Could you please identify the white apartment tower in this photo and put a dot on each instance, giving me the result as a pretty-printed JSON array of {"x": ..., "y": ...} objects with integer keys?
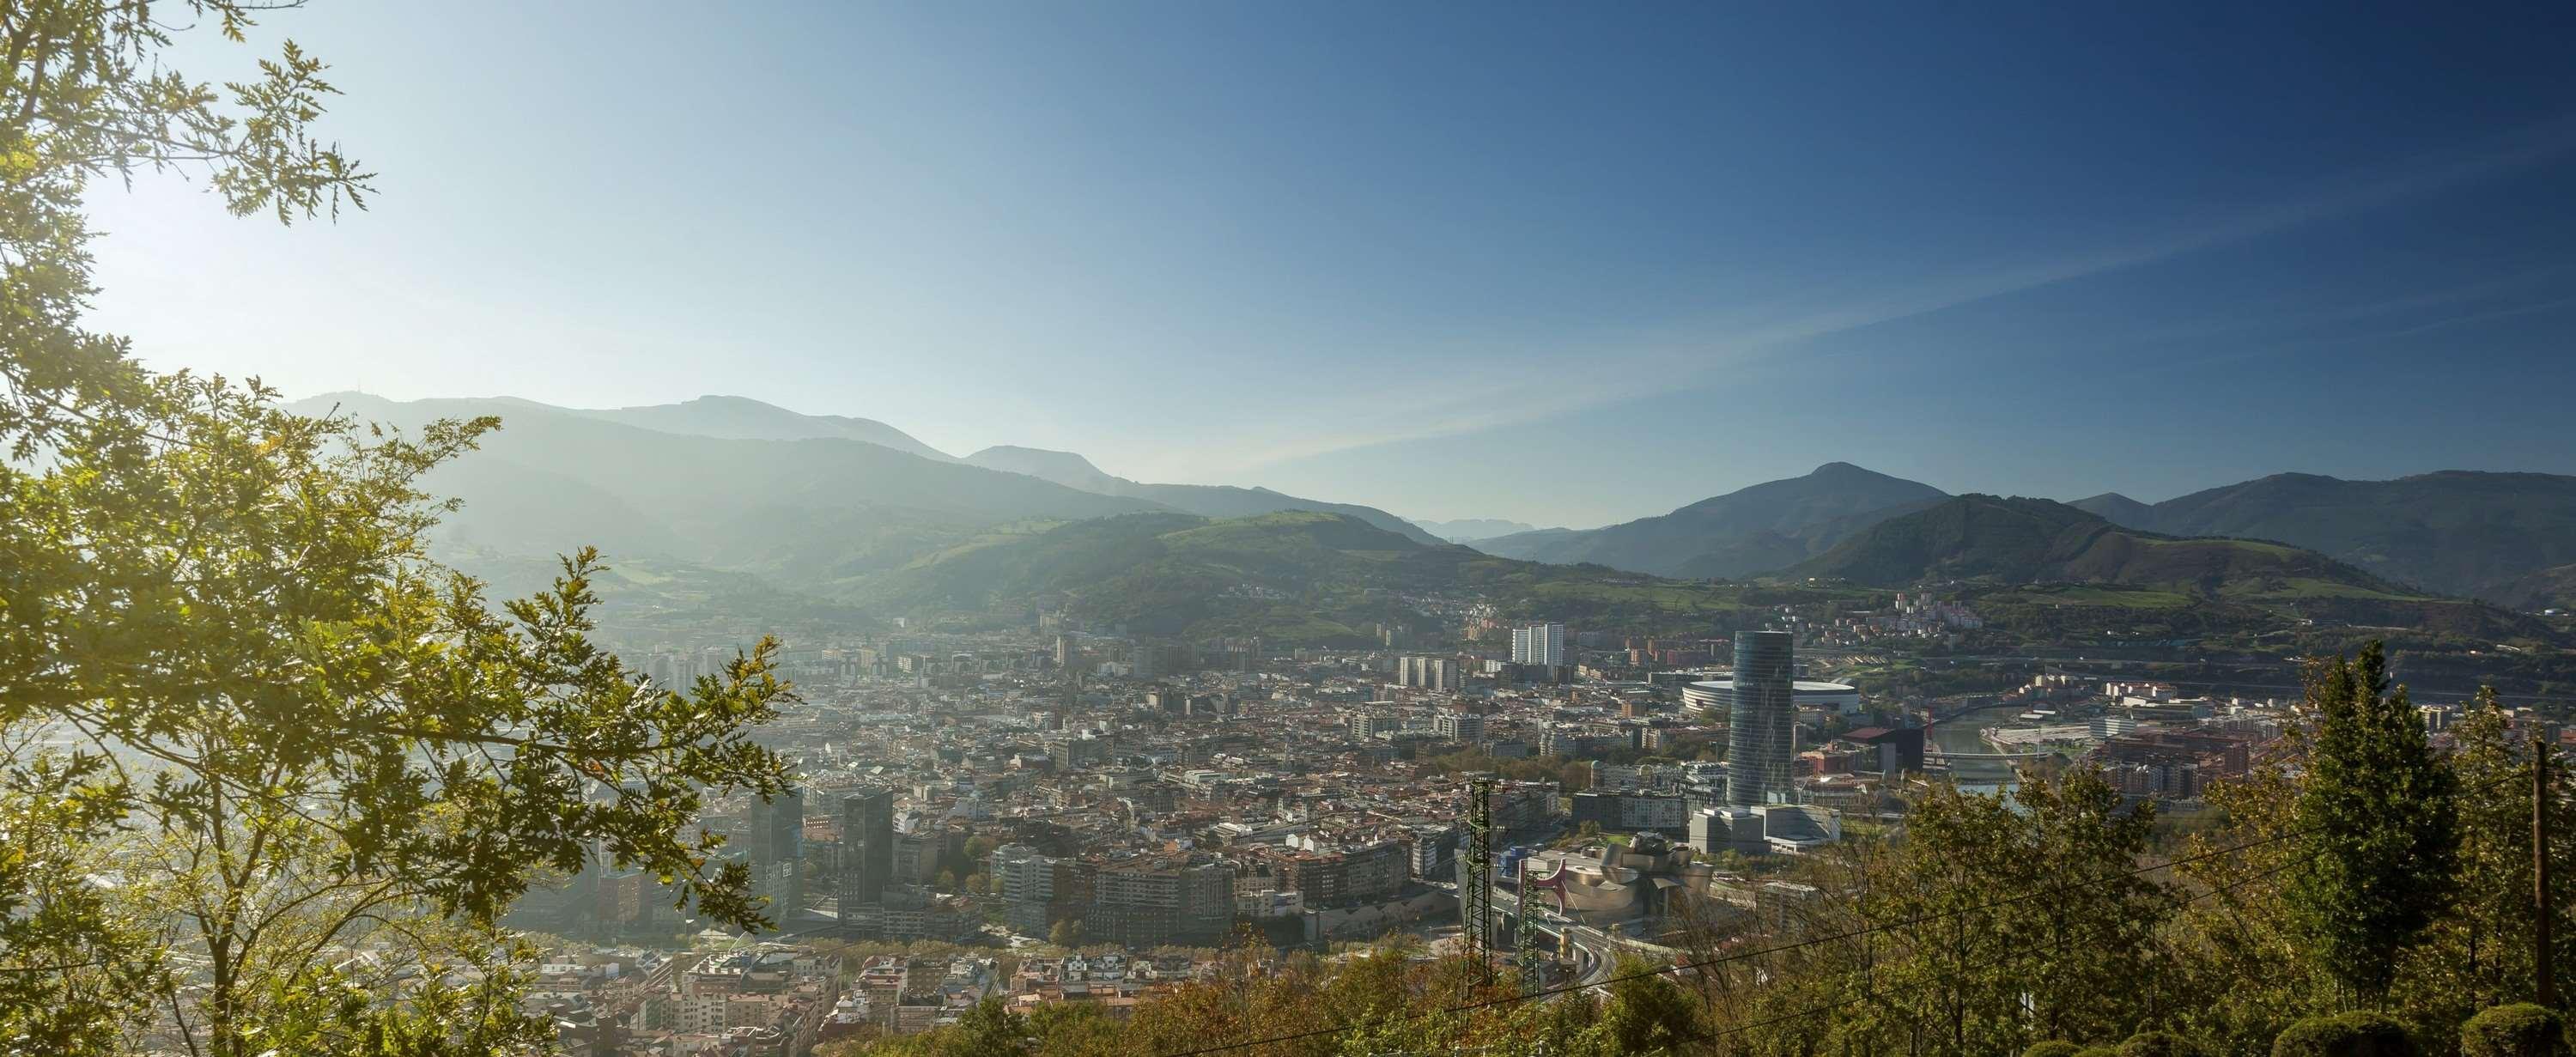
[{"x": 1539, "y": 644}]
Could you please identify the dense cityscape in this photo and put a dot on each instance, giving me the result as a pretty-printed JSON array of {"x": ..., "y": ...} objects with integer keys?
[{"x": 1064, "y": 814}]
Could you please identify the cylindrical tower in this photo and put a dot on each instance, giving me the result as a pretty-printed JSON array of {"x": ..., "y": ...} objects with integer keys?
[{"x": 1762, "y": 724}]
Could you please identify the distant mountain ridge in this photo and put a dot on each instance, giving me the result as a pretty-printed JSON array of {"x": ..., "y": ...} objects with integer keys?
[
  {"x": 1469, "y": 530},
  {"x": 1753, "y": 530},
  {"x": 743, "y": 418},
  {"x": 811, "y": 511},
  {"x": 2459, "y": 532},
  {"x": 828, "y": 504},
  {"x": 1217, "y": 501},
  {"x": 817, "y": 501},
  {"x": 1062, "y": 467},
  {"x": 2119, "y": 509},
  {"x": 2017, "y": 540},
  {"x": 2036, "y": 556}
]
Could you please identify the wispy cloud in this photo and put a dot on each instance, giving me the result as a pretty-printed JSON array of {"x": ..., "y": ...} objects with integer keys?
[
  {"x": 1530, "y": 384},
  {"x": 2486, "y": 316}
]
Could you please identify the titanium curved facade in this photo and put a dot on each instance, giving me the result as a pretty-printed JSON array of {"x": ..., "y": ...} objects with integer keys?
[{"x": 1761, "y": 731}]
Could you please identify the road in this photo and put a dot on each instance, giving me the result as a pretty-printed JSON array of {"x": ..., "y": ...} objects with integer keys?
[{"x": 1596, "y": 953}]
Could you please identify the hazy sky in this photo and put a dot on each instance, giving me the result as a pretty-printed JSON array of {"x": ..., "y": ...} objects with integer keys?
[{"x": 1452, "y": 260}]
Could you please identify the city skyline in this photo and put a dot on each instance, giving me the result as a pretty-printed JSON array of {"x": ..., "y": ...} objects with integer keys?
[
  {"x": 1410, "y": 261},
  {"x": 897, "y": 530}
]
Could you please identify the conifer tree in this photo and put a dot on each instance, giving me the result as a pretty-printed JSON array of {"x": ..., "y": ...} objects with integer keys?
[{"x": 2380, "y": 827}]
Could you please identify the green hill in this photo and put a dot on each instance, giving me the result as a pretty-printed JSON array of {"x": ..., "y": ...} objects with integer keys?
[
  {"x": 1166, "y": 573},
  {"x": 1298, "y": 576},
  {"x": 2035, "y": 555},
  {"x": 2455, "y": 532},
  {"x": 2546, "y": 589},
  {"x": 2020, "y": 541},
  {"x": 1759, "y": 529},
  {"x": 649, "y": 600}
]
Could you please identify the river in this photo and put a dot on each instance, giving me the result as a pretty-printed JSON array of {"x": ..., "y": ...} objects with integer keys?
[{"x": 1966, "y": 733}]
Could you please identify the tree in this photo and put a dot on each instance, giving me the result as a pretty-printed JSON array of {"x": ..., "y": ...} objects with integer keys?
[
  {"x": 2157, "y": 1044},
  {"x": 2353, "y": 1034},
  {"x": 335, "y": 741},
  {"x": 1647, "y": 1012},
  {"x": 1066, "y": 934},
  {"x": 1574, "y": 776},
  {"x": 2519, "y": 1030},
  {"x": 323, "y": 742},
  {"x": 76, "y": 971},
  {"x": 2480, "y": 951},
  {"x": 989, "y": 1029},
  {"x": 2380, "y": 824},
  {"x": 1997, "y": 923},
  {"x": 84, "y": 94}
]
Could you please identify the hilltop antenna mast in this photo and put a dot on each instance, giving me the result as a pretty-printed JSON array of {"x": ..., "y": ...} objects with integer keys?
[{"x": 1476, "y": 892}]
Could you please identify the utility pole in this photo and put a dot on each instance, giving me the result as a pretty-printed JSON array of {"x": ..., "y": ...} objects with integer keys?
[{"x": 2540, "y": 867}]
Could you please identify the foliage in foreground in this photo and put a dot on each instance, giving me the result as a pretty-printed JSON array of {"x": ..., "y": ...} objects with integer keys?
[
  {"x": 263, "y": 765},
  {"x": 2518, "y": 1030},
  {"x": 1389, "y": 1002}
]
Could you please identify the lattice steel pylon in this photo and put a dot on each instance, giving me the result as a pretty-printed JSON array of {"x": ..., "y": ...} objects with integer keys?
[
  {"x": 1476, "y": 879},
  {"x": 1525, "y": 935}
]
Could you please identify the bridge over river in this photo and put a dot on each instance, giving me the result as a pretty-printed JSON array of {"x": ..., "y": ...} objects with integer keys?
[
  {"x": 1945, "y": 756},
  {"x": 1956, "y": 736}
]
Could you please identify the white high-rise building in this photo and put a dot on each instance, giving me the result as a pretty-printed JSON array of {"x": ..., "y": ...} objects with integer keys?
[{"x": 1539, "y": 644}]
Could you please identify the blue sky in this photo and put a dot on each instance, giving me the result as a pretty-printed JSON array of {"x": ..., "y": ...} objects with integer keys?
[{"x": 1564, "y": 266}]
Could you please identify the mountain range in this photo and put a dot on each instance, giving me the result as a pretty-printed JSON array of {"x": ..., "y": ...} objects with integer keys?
[
  {"x": 742, "y": 418},
  {"x": 837, "y": 506},
  {"x": 1294, "y": 576},
  {"x": 1217, "y": 501},
  {"x": 2484, "y": 535},
  {"x": 2508, "y": 538},
  {"x": 811, "y": 500},
  {"x": 2023, "y": 541},
  {"x": 1469, "y": 530},
  {"x": 2062, "y": 555},
  {"x": 1759, "y": 529}
]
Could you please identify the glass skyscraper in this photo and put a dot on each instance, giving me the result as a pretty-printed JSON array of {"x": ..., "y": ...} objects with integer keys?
[
  {"x": 1762, "y": 724},
  {"x": 867, "y": 842}
]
